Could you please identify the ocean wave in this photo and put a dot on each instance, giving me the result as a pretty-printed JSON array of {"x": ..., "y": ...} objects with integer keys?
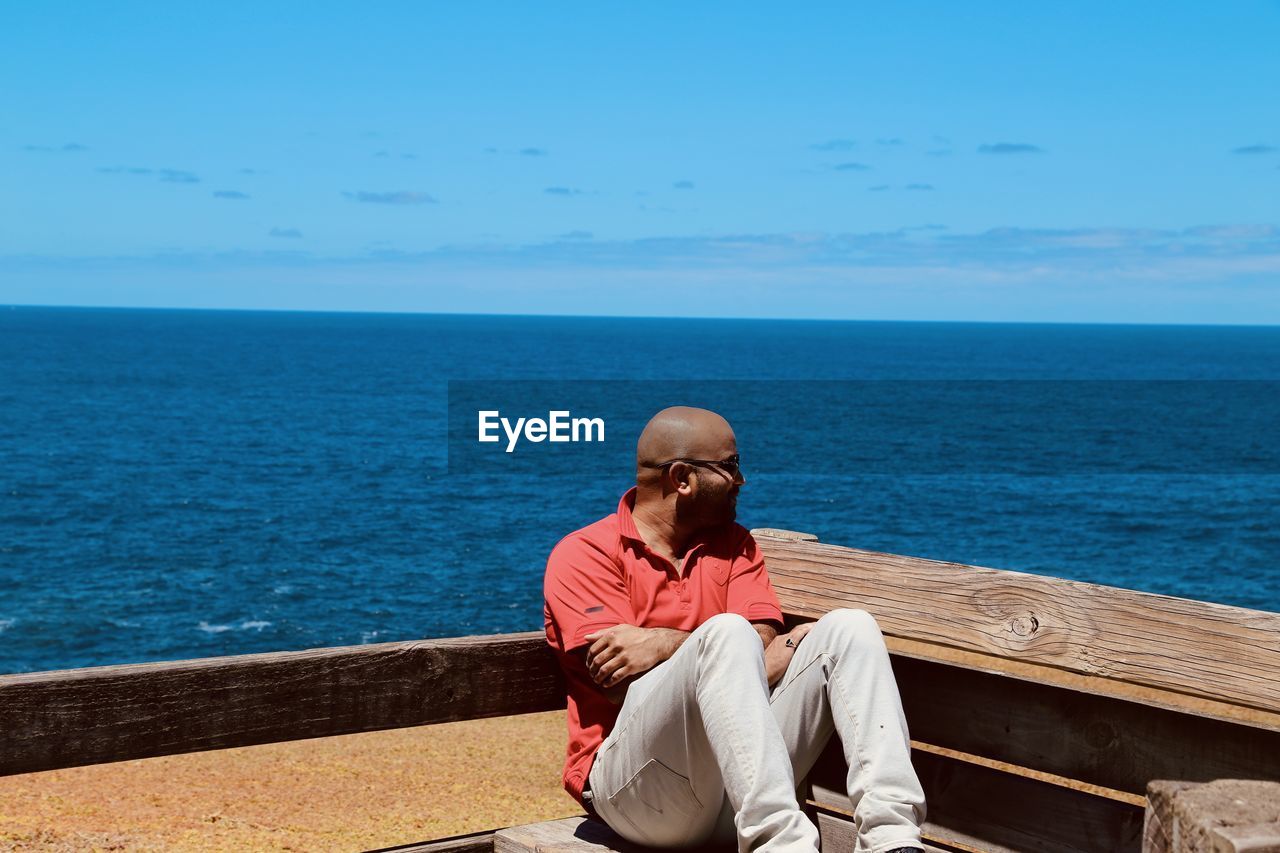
[{"x": 245, "y": 625}]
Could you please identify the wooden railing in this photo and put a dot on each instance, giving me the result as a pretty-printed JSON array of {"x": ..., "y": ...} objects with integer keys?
[
  {"x": 1040, "y": 708},
  {"x": 74, "y": 717},
  {"x": 1225, "y": 654}
]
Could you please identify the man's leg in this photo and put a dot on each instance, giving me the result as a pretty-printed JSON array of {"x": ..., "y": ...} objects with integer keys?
[
  {"x": 693, "y": 729},
  {"x": 840, "y": 680}
]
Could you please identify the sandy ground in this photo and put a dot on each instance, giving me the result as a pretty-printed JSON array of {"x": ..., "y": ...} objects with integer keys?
[{"x": 358, "y": 792}]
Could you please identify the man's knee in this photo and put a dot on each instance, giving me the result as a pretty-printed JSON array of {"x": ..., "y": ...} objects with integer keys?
[
  {"x": 729, "y": 630},
  {"x": 858, "y": 626},
  {"x": 727, "y": 624}
]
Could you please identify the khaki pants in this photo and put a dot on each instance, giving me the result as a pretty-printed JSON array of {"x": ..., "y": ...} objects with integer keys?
[{"x": 703, "y": 752}]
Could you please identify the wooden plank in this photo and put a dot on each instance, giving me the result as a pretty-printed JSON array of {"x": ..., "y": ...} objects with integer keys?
[
  {"x": 837, "y": 833},
  {"x": 581, "y": 835},
  {"x": 569, "y": 835},
  {"x": 1198, "y": 706},
  {"x": 113, "y": 713},
  {"x": 1193, "y": 647},
  {"x": 474, "y": 842},
  {"x": 778, "y": 533},
  {"x": 1099, "y": 740},
  {"x": 979, "y": 807}
]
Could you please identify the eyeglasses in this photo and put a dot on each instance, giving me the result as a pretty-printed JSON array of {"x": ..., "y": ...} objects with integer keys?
[{"x": 731, "y": 466}]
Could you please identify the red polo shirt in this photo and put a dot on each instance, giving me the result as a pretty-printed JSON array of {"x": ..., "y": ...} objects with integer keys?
[{"x": 604, "y": 575}]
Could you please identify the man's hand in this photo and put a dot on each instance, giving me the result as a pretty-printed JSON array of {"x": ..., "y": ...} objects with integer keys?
[
  {"x": 777, "y": 657},
  {"x": 622, "y": 651}
]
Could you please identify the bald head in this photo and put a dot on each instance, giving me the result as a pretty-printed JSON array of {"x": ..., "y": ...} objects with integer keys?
[
  {"x": 682, "y": 499},
  {"x": 683, "y": 432}
]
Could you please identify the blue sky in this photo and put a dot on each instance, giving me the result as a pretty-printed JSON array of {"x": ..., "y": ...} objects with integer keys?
[{"x": 1079, "y": 162}]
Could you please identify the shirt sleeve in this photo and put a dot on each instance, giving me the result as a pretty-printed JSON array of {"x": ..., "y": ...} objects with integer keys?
[
  {"x": 584, "y": 591},
  {"x": 750, "y": 592}
]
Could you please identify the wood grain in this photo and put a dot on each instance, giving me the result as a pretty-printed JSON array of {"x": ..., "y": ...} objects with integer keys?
[
  {"x": 978, "y": 807},
  {"x": 113, "y": 713},
  {"x": 838, "y": 833},
  {"x": 1192, "y": 647},
  {"x": 475, "y": 842},
  {"x": 1098, "y": 740},
  {"x": 570, "y": 835}
]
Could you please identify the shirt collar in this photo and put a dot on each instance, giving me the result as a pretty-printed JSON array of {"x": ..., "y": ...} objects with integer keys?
[{"x": 626, "y": 524}]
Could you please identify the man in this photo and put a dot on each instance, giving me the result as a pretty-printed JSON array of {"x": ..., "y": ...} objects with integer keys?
[{"x": 690, "y": 718}]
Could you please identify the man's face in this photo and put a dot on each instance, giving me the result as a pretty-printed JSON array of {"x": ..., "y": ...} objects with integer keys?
[{"x": 716, "y": 500}]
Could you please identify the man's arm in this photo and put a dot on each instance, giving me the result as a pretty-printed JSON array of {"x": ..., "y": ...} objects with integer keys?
[
  {"x": 584, "y": 593},
  {"x": 777, "y": 654},
  {"x": 751, "y": 594},
  {"x": 623, "y": 652},
  {"x": 619, "y": 654},
  {"x": 767, "y": 632},
  {"x": 779, "y": 651}
]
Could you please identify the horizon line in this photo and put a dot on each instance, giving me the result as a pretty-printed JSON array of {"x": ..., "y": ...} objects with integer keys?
[{"x": 739, "y": 318}]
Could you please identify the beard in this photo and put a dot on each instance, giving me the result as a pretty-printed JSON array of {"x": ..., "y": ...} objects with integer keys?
[{"x": 714, "y": 507}]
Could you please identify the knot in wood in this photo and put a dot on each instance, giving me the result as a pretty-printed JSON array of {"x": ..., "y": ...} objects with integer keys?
[
  {"x": 1100, "y": 734},
  {"x": 1023, "y": 625}
]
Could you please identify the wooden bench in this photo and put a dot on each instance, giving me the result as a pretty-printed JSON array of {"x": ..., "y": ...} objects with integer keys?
[{"x": 1040, "y": 709}]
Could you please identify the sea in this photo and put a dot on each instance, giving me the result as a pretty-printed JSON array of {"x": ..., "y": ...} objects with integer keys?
[{"x": 186, "y": 483}]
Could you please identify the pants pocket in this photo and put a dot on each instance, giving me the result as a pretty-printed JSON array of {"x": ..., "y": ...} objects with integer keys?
[{"x": 658, "y": 802}]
